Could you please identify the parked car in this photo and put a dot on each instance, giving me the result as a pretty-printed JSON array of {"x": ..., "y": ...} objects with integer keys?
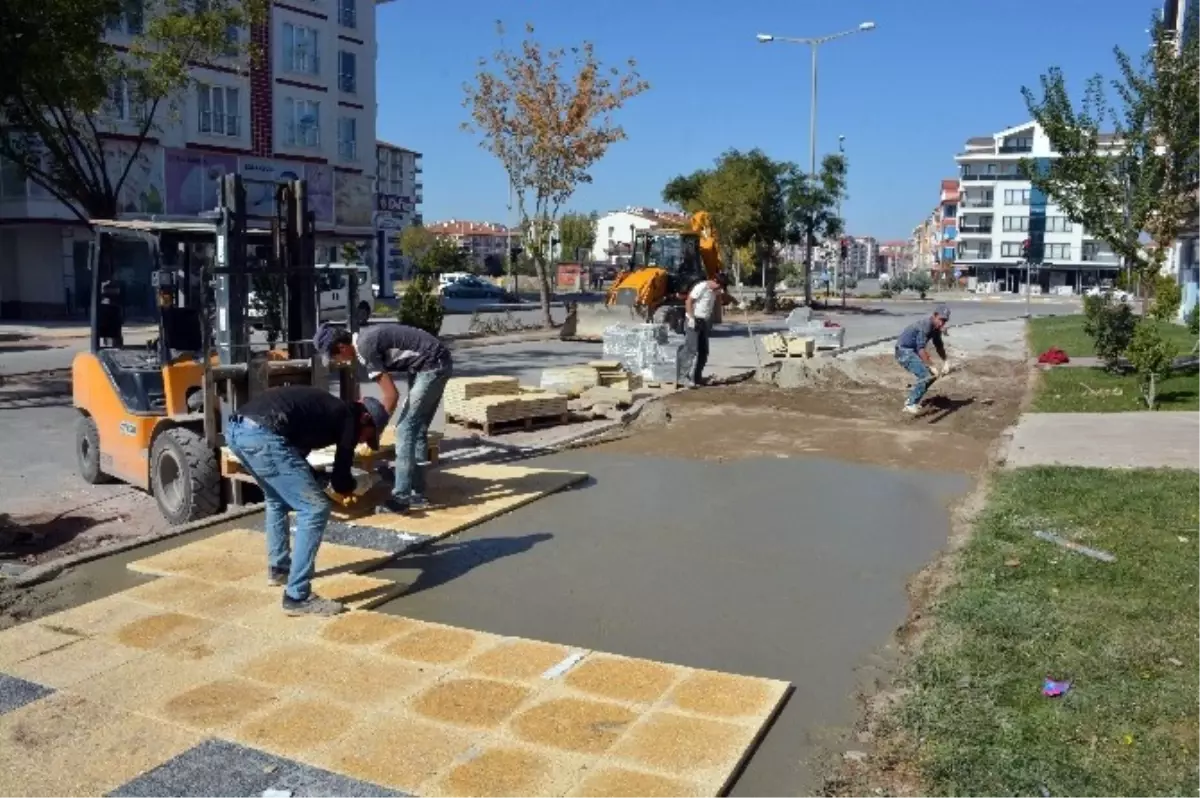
[
  {"x": 472, "y": 287},
  {"x": 332, "y": 285},
  {"x": 1116, "y": 293}
]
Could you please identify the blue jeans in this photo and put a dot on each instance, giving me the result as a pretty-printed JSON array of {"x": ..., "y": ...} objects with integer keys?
[
  {"x": 425, "y": 390},
  {"x": 912, "y": 361},
  {"x": 287, "y": 483}
]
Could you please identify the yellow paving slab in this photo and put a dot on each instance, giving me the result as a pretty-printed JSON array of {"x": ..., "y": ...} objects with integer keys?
[
  {"x": 331, "y": 557},
  {"x": 424, "y": 708},
  {"x": 463, "y": 497}
]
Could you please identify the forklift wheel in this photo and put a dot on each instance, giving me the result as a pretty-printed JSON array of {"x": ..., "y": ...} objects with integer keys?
[
  {"x": 87, "y": 449},
  {"x": 184, "y": 476}
]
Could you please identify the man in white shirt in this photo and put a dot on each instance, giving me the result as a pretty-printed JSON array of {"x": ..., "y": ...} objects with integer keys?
[{"x": 699, "y": 309}]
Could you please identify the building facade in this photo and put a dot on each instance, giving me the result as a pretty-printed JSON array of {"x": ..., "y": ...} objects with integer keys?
[
  {"x": 893, "y": 258},
  {"x": 862, "y": 255},
  {"x": 306, "y": 110},
  {"x": 615, "y": 231},
  {"x": 486, "y": 243},
  {"x": 398, "y": 197},
  {"x": 998, "y": 208},
  {"x": 948, "y": 238}
]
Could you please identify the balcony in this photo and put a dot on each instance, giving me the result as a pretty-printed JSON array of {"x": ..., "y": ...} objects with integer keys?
[
  {"x": 1101, "y": 258},
  {"x": 983, "y": 253},
  {"x": 978, "y": 178},
  {"x": 976, "y": 203},
  {"x": 974, "y": 228},
  {"x": 1015, "y": 148}
]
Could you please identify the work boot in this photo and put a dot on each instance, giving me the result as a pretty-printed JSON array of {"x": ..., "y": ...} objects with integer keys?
[
  {"x": 277, "y": 577},
  {"x": 313, "y": 605},
  {"x": 392, "y": 505},
  {"x": 418, "y": 502}
]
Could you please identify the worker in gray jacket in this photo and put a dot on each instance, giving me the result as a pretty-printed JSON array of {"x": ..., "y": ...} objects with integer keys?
[{"x": 911, "y": 352}]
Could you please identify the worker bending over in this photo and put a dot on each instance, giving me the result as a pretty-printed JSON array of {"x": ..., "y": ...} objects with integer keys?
[
  {"x": 425, "y": 363},
  {"x": 911, "y": 353},
  {"x": 698, "y": 307},
  {"x": 272, "y": 435}
]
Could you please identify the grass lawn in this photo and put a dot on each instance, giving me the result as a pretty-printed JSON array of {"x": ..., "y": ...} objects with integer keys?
[
  {"x": 1065, "y": 389},
  {"x": 1066, "y": 332},
  {"x": 1023, "y": 609}
]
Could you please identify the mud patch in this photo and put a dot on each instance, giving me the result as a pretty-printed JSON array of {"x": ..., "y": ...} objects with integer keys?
[{"x": 846, "y": 408}]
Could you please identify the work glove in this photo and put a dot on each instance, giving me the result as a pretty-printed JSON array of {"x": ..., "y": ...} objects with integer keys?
[{"x": 691, "y": 323}]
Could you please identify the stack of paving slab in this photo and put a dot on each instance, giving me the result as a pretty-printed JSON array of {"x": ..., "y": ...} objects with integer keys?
[
  {"x": 800, "y": 324},
  {"x": 780, "y": 345},
  {"x": 499, "y": 400},
  {"x": 644, "y": 349},
  {"x": 612, "y": 374}
]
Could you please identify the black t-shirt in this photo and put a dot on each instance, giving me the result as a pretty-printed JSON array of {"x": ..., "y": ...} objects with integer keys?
[
  {"x": 309, "y": 418},
  {"x": 399, "y": 349}
]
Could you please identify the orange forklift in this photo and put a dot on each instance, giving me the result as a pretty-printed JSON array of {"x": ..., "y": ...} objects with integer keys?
[{"x": 153, "y": 415}]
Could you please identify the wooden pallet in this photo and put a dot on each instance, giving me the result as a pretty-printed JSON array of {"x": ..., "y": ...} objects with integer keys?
[{"x": 512, "y": 425}]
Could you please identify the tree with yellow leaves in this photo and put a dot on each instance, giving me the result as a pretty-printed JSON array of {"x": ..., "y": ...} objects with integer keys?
[{"x": 547, "y": 115}]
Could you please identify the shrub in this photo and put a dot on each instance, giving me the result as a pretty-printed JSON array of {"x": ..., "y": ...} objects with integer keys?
[
  {"x": 1167, "y": 298},
  {"x": 1193, "y": 320},
  {"x": 920, "y": 282},
  {"x": 1151, "y": 356},
  {"x": 1110, "y": 324},
  {"x": 421, "y": 307}
]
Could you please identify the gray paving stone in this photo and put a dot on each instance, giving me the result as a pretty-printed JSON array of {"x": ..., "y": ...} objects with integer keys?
[
  {"x": 16, "y": 693},
  {"x": 217, "y": 767}
]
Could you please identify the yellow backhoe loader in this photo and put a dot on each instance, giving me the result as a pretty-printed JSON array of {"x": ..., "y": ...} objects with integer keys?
[{"x": 665, "y": 264}]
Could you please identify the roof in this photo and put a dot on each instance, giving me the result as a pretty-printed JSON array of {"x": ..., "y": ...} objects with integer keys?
[
  {"x": 980, "y": 141},
  {"x": 387, "y": 145},
  {"x": 655, "y": 215},
  {"x": 459, "y": 227}
]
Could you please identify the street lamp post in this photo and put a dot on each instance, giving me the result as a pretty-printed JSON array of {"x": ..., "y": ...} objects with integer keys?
[
  {"x": 841, "y": 266},
  {"x": 813, "y": 43}
]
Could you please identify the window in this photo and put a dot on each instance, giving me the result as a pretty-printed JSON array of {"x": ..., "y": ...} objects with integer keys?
[
  {"x": 949, "y": 211},
  {"x": 1058, "y": 224},
  {"x": 1011, "y": 249},
  {"x": 301, "y": 49},
  {"x": 1015, "y": 224},
  {"x": 1057, "y": 252},
  {"x": 348, "y": 138},
  {"x": 303, "y": 120},
  {"x": 132, "y": 20},
  {"x": 218, "y": 108},
  {"x": 12, "y": 180},
  {"x": 1016, "y": 196},
  {"x": 116, "y": 106},
  {"x": 347, "y": 72},
  {"x": 347, "y": 14}
]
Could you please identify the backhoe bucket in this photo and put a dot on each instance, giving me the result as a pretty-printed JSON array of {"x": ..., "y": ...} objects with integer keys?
[{"x": 587, "y": 322}]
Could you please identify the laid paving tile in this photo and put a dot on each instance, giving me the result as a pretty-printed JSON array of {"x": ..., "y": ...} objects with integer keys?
[
  {"x": 69, "y": 665},
  {"x": 472, "y": 703},
  {"x": 622, "y": 678},
  {"x": 435, "y": 643},
  {"x": 218, "y": 767},
  {"x": 332, "y": 557},
  {"x": 517, "y": 660},
  {"x": 356, "y": 591},
  {"x": 506, "y": 770},
  {"x": 66, "y": 745},
  {"x": 31, "y": 639},
  {"x": 728, "y": 696},
  {"x": 365, "y": 628},
  {"x": 160, "y": 629},
  {"x": 204, "y": 563},
  {"x": 145, "y": 682},
  {"x": 222, "y": 648},
  {"x": 16, "y": 693},
  {"x": 703, "y": 750},
  {"x": 613, "y": 781},
  {"x": 296, "y": 727},
  {"x": 170, "y": 592},
  {"x": 217, "y": 704},
  {"x": 343, "y": 675},
  {"x": 98, "y": 618},
  {"x": 396, "y": 751},
  {"x": 573, "y": 724}
]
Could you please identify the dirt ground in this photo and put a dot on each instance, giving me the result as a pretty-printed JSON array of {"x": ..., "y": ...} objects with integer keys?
[{"x": 848, "y": 409}]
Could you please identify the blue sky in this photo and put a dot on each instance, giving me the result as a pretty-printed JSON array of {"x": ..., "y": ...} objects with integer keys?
[{"x": 905, "y": 95}]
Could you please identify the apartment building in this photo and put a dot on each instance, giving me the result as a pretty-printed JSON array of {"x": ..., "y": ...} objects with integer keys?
[
  {"x": 862, "y": 254},
  {"x": 998, "y": 211},
  {"x": 398, "y": 198},
  {"x": 948, "y": 235},
  {"x": 893, "y": 258},
  {"x": 484, "y": 242},
  {"x": 926, "y": 242},
  {"x": 615, "y": 231},
  {"x": 306, "y": 110}
]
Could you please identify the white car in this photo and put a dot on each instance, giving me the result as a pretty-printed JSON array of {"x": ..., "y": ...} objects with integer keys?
[
  {"x": 332, "y": 284},
  {"x": 1115, "y": 293}
]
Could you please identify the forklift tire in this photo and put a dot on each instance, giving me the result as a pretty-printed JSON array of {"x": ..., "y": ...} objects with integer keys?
[
  {"x": 87, "y": 450},
  {"x": 184, "y": 476}
]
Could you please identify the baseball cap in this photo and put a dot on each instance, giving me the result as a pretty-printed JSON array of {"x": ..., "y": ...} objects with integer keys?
[
  {"x": 379, "y": 418},
  {"x": 943, "y": 311}
]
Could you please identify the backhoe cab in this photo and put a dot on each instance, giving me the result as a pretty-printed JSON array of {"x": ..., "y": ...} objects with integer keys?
[{"x": 153, "y": 415}]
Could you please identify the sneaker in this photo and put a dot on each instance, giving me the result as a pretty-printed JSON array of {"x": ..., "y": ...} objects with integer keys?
[
  {"x": 313, "y": 605},
  {"x": 277, "y": 577},
  {"x": 418, "y": 502},
  {"x": 392, "y": 505},
  {"x": 912, "y": 410}
]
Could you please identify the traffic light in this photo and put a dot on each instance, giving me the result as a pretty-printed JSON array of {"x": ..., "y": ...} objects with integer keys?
[
  {"x": 1026, "y": 249},
  {"x": 845, "y": 248}
]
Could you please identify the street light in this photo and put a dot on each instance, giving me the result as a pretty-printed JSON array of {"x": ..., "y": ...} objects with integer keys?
[{"x": 813, "y": 43}]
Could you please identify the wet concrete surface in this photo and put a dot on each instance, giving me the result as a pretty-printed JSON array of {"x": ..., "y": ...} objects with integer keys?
[{"x": 791, "y": 569}]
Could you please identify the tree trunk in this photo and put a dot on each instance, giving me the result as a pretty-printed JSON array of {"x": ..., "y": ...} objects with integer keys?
[
  {"x": 769, "y": 279},
  {"x": 543, "y": 274}
]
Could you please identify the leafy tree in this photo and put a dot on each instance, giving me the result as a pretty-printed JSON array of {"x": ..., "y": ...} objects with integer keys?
[
  {"x": 443, "y": 256},
  {"x": 812, "y": 203},
  {"x": 1132, "y": 166},
  {"x": 65, "y": 89},
  {"x": 547, "y": 115},
  {"x": 919, "y": 282},
  {"x": 421, "y": 306},
  {"x": 1110, "y": 323},
  {"x": 1168, "y": 296},
  {"x": 414, "y": 241},
  {"x": 1152, "y": 357},
  {"x": 576, "y": 232}
]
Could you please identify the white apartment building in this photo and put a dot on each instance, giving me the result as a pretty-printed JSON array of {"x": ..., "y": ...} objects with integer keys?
[
  {"x": 861, "y": 256},
  {"x": 995, "y": 207},
  {"x": 615, "y": 231},
  {"x": 307, "y": 111},
  {"x": 399, "y": 194},
  {"x": 486, "y": 243}
]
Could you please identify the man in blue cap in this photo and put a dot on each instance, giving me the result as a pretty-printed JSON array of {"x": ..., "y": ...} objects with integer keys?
[{"x": 911, "y": 353}]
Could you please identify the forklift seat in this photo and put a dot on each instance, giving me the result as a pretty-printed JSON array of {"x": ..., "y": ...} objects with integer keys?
[{"x": 181, "y": 326}]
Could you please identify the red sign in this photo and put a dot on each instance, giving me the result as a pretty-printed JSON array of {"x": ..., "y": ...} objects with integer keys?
[{"x": 569, "y": 277}]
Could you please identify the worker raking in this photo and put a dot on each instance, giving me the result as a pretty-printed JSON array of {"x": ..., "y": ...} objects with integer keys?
[{"x": 911, "y": 352}]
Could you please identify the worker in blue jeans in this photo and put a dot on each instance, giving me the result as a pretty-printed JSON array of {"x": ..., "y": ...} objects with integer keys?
[
  {"x": 271, "y": 436},
  {"x": 911, "y": 354},
  {"x": 424, "y": 362}
]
